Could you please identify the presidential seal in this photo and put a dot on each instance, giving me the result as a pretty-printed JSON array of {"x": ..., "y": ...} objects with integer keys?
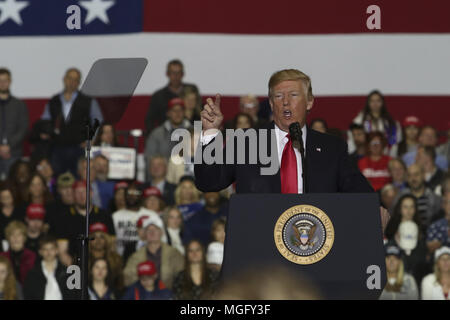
[{"x": 304, "y": 234}]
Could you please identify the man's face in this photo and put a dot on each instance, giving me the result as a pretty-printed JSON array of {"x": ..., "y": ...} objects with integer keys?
[
  {"x": 67, "y": 196},
  {"x": 397, "y": 171},
  {"x": 250, "y": 106},
  {"x": 359, "y": 136},
  {"x": 82, "y": 171},
  {"x": 99, "y": 241},
  {"x": 5, "y": 83},
  {"x": 175, "y": 74},
  {"x": 133, "y": 197},
  {"x": 212, "y": 199},
  {"x": 34, "y": 225},
  {"x": 48, "y": 252},
  {"x": 289, "y": 104},
  {"x": 158, "y": 168},
  {"x": 176, "y": 114},
  {"x": 101, "y": 168},
  {"x": 415, "y": 177},
  {"x": 428, "y": 137},
  {"x": 147, "y": 281},
  {"x": 17, "y": 240},
  {"x": 153, "y": 233},
  {"x": 71, "y": 81},
  {"x": 80, "y": 196}
]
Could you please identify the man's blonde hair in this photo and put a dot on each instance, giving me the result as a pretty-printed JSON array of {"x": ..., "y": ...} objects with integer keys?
[{"x": 293, "y": 75}]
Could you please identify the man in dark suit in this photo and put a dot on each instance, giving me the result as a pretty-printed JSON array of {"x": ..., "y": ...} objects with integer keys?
[{"x": 327, "y": 164}]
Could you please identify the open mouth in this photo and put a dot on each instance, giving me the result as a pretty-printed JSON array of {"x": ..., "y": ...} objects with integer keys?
[{"x": 287, "y": 114}]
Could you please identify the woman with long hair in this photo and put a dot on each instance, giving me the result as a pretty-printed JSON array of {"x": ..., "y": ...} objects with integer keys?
[
  {"x": 38, "y": 191},
  {"x": 197, "y": 281},
  {"x": 106, "y": 136},
  {"x": 411, "y": 128},
  {"x": 192, "y": 104},
  {"x": 9, "y": 287},
  {"x": 187, "y": 197},
  {"x": 400, "y": 285},
  {"x": 436, "y": 286},
  {"x": 376, "y": 117},
  {"x": 100, "y": 282},
  {"x": 19, "y": 178},
  {"x": 404, "y": 210},
  {"x": 177, "y": 234},
  {"x": 8, "y": 210}
]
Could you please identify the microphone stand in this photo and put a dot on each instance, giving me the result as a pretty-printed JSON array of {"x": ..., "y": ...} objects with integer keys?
[{"x": 90, "y": 133}]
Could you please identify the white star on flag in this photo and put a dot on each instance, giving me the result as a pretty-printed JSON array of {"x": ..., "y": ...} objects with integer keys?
[
  {"x": 10, "y": 9},
  {"x": 97, "y": 9}
]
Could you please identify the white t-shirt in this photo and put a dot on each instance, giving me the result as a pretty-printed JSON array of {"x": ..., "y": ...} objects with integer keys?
[
  {"x": 125, "y": 225},
  {"x": 52, "y": 291},
  {"x": 431, "y": 289}
]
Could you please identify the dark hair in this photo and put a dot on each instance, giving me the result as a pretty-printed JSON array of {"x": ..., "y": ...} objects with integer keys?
[
  {"x": 187, "y": 283},
  {"x": 108, "y": 279},
  {"x": 355, "y": 126},
  {"x": 98, "y": 137},
  {"x": 20, "y": 190},
  {"x": 384, "y": 113},
  {"x": 242, "y": 114},
  {"x": 313, "y": 121},
  {"x": 73, "y": 69},
  {"x": 175, "y": 62},
  {"x": 396, "y": 218},
  {"x": 428, "y": 127},
  {"x": 5, "y": 71},
  {"x": 47, "y": 195},
  {"x": 430, "y": 151},
  {"x": 376, "y": 134},
  {"x": 48, "y": 239}
]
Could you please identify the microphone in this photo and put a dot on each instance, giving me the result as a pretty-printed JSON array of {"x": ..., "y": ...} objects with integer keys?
[{"x": 297, "y": 141}]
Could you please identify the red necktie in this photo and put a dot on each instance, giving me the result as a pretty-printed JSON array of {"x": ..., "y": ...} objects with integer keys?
[{"x": 288, "y": 171}]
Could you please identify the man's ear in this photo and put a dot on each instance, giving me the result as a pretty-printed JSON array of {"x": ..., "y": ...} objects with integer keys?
[
  {"x": 309, "y": 105},
  {"x": 271, "y": 104}
]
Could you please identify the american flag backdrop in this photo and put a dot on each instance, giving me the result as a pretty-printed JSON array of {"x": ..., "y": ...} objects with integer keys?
[{"x": 233, "y": 46}]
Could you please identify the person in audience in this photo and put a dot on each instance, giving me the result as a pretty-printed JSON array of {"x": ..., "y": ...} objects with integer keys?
[
  {"x": 249, "y": 104},
  {"x": 400, "y": 285},
  {"x": 156, "y": 114},
  {"x": 214, "y": 256},
  {"x": 153, "y": 200},
  {"x": 397, "y": 170},
  {"x": 177, "y": 234},
  {"x": 438, "y": 234},
  {"x": 426, "y": 157},
  {"x": 192, "y": 104},
  {"x": 201, "y": 222},
  {"x": 14, "y": 120},
  {"x": 106, "y": 136},
  {"x": 374, "y": 166},
  {"x": 132, "y": 247},
  {"x": 181, "y": 165},
  {"x": 319, "y": 125},
  {"x": 242, "y": 121},
  {"x": 196, "y": 281},
  {"x": 162, "y": 139},
  {"x": 44, "y": 168},
  {"x": 157, "y": 171},
  {"x": 428, "y": 202},
  {"x": 376, "y": 117},
  {"x": 125, "y": 219},
  {"x": 146, "y": 287},
  {"x": 82, "y": 174},
  {"x": 118, "y": 201},
  {"x": 19, "y": 178},
  {"x": 436, "y": 285},
  {"x": 68, "y": 134},
  {"x": 10, "y": 288},
  {"x": 102, "y": 247},
  {"x": 34, "y": 220},
  {"x": 428, "y": 137},
  {"x": 444, "y": 149},
  {"x": 38, "y": 191},
  {"x": 166, "y": 258},
  {"x": 100, "y": 283},
  {"x": 187, "y": 197},
  {"x": 387, "y": 195},
  {"x": 8, "y": 212},
  {"x": 411, "y": 126},
  {"x": 21, "y": 258},
  {"x": 48, "y": 278},
  {"x": 104, "y": 186},
  {"x": 359, "y": 137}
]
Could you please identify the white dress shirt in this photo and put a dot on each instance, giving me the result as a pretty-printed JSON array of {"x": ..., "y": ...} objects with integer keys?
[
  {"x": 281, "y": 142},
  {"x": 52, "y": 291}
]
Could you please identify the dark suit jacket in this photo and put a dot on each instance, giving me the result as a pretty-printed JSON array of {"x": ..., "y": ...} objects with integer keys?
[{"x": 328, "y": 170}]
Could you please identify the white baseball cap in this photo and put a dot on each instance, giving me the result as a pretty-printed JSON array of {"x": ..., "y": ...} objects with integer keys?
[
  {"x": 408, "y": 233},
  {"x": 214, "y": 254},
  {"x": 155, "y": 220},
  {"x": 441, "y": 251}
]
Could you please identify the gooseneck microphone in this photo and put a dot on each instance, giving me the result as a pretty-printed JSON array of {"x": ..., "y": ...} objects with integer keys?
[{"x": 296, "y": 134}]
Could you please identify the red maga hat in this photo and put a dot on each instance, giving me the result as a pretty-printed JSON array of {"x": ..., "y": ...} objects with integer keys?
[
  {"x": 146, "y": 268},
  {"x": 35, "y": 211},
  {"x": 98, "y": 226},
  {"x": 411, "y": 121},
  {"x": 140, "y": 221},
  {"x": 175, "y": 102},
  {"x": 121, "y": 185},
  {"x": 79, "y": 184},
  {"x": 152, "y": 191}
]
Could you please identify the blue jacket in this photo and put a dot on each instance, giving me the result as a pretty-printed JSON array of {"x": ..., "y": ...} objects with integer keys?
[{"x": 137, "y": 292}]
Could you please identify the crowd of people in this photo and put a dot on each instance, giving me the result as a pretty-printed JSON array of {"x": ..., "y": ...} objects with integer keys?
[{"x": 164, "y": 239}]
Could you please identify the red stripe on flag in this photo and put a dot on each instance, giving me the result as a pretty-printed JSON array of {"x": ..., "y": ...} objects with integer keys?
[{"x": 294, "y": 16}]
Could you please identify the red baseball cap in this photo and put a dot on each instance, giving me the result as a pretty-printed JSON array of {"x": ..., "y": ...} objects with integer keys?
[
  {"x": 146, "y": 268},
  {"x": 121, "y": 185},
  {"x": 411, "y": 121},
  {"x": 98, "y": 226},
  {"x": 152, "y": 191},
  {"x": 140, "y": 221},
  {"x": 35, "y": 211},
  {"x": 175, "y": 102},
  {"x": 79, "y": 184}
]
